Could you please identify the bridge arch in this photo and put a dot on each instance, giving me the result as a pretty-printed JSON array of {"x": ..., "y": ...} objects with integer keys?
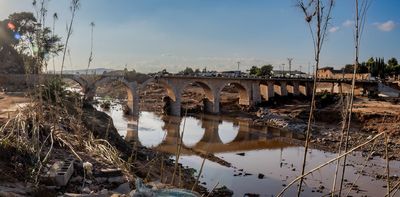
[
  {"x": 243, "y": 91},
  {"x": 83, "y": 83},
  {"x": 130, "y": 87},
  {"x": 170, "y": 90},
  {"x": 209, "y": 101},
  {"x": 172, "y": 100}
]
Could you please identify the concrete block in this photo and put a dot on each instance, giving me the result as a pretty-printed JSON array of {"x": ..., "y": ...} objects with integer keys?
[{"x": 60, "y": 173}]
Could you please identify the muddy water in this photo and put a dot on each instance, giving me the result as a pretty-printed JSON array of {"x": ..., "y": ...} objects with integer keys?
[{"x": 252, "y": 151}]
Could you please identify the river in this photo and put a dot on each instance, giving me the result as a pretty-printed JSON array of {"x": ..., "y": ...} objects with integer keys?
[{"x": 263, "y": 159}]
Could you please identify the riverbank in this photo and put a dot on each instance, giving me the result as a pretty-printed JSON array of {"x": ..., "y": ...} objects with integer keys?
[{"x": 89, "y": 138}]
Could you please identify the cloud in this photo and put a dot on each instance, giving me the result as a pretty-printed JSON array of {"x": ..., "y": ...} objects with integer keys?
[
  {"x": 348, "y": 23},
  {"x": 386, "y": 26},
  {"x": 334, "y": 29}
]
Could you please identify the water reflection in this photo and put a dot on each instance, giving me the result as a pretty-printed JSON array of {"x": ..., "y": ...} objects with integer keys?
[
  {"x": 262, "y": 149},
  {"x": 209, "y": 133}
]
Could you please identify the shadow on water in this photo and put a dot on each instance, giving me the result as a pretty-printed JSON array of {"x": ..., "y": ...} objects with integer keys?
[{"x": 263, "y": 159}]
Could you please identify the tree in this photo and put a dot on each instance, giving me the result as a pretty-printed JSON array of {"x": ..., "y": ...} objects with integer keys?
[
  {"x": 187, "y": 71},
  {"x": 392, "y": 62},
  {"x": 32, "y": 41},
  {"x": 392, "y": 67},
  {"x": 317, "y": 14},
  {"x": 348, "y": 68},
  {"x": 266, "y": 70},
  {"x": 363, "y": 68},
  {"x": 254, "y": 70}
]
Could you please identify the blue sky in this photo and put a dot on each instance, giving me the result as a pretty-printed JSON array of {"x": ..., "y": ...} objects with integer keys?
[{"x": 149, "y": 35}]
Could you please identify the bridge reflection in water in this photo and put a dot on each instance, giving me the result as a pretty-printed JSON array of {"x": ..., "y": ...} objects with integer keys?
[{"x": 206, "y": 133}]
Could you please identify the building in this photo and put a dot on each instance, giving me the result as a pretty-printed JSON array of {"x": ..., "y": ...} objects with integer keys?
[{"x": 330, "y": 73}]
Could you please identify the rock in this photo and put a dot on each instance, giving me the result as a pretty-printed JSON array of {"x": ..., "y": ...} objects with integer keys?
[
  {"x": 88, "y": 181},
  {"x": 241, "y": 154},
  {"x": 222, "y": 191},
  {"x": 76, "y": 179},
  {"x": 247, "y": 174},
  {"x": 101, "y": 179},
  {"x": 86, "y": 190},
  {"x": 260, "y": 176},
  {"x": 117, "y": 180},
  {"x": 123, "y": 188},
  {"x": 156, "y": 185},
  {"x": 109, "y": 172},
  {"x": 88, "y": 167},
  {"x": 104, "y": 191}
]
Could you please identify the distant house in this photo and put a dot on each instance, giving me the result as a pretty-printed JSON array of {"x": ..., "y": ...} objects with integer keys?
[{"x": 330, "y": 73}]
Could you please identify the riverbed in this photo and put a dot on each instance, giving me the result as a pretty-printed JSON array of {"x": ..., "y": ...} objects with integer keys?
[{"x": 263, "y": 160}]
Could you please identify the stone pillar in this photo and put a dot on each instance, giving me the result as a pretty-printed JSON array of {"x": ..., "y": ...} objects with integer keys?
[
  {"x": 296, "y": 88},
  {"x": 172, "y": 127},
  {"x": 284, "y": 91},
  {"x": 212, "y": 106},
  {"x": 256, "y": 95},
  {"x": 333, "y": 88},
  {"x": 175, "y": 106},
  {"x": 133, "y": 99},
  {"x": 309, "y": 88},
  {"x": 210, "y": 131},
  {"x": 340, "y": 87},
  {"x": 271, "y": 92},
  {"x": 132, "y": 130},
  {"x": 264, "y": 91}
]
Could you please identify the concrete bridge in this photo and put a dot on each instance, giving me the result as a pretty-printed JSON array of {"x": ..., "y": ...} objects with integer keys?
[{"x": 251, "y": 90}]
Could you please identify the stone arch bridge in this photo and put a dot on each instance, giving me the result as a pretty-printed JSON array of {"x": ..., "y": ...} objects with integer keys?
[{"x": 251, "y": 90}]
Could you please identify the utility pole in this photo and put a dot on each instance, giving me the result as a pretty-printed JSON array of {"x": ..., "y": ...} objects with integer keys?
[{"x": 290, "y": 66}]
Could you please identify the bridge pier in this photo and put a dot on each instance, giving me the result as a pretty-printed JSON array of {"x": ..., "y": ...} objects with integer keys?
[
  {"x": 283, "y": 89},
  {"x": 211, "y": 134},
  {"x": 132, "y": 134},
  {"x": 264, "y": 91},
  {"x": 296, "y": 88},
  {"x": 213, "y": 106},
  {"x": 271, "y": 91},
  {"x": 133, "y": 99},
  {"x": 256, "y": 95},
  {"x": 175, "y": 107}
]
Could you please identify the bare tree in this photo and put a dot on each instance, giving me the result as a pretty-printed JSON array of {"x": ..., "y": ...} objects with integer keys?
[
  {"x": 91, "y": 47},
  {"x": 317, "y": 15},
  {"x": 360, "y": 18},
  {"x": 75, "y": 4}
]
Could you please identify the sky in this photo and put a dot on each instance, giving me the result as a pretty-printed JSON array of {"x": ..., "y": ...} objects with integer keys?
[{"x": 151, "y": 35}]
